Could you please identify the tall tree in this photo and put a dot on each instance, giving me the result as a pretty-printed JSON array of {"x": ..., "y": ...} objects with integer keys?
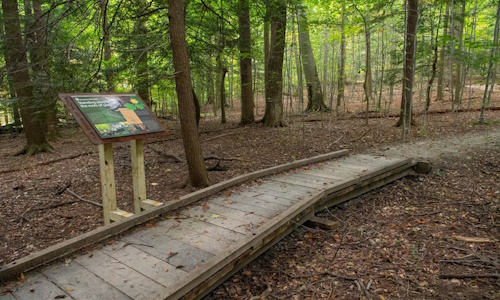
[
  {"x": 341, "y": 78},
  {"x": 459, "y": 32},
  {"x": 405, "y": 118},
  {"x": 442, "y": 57},
  {"x": 18, "y": 67},
  {"x": 106, "y": 47},
  {"x": 142, "y": 49},
  {"x": 315, "y": 93},
  {"x": 490, "y": 64},
  {"x": 196, "y": 165},
  {"x": 273, "y": 116},
  {"x": 245, "y": 44}
]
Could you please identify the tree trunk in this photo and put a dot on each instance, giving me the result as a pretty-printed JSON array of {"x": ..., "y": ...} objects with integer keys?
[
  {"x": 41, "y": 70},
  {"x": 222, "y": 93},
  {"x": 245, "y": 43},
  {"x": 459, "y": 34},
  {"x": 368, "y": 72},
  {"x": 108, "y": 73},
  {"x": 141, "y": 59},
  {"x": 18, "y": 67},
  {"x": 442, "y": 58},
  {"x": 298, "y": 66},
  {"x": 194, "y": 155},
  {"x": 405, "y": 118},
  {"x": 341, "y": 79},
  {"x": 490, "y": 64},
  {"x": 273, "y": 116},
  {"x": 325, "y": 62},
  {"x": 434, "y": 66},
  {"x": 315, "y": 93}
]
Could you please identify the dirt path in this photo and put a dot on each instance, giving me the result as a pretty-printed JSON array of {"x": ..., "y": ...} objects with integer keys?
[{"x": 451, "y": 146}]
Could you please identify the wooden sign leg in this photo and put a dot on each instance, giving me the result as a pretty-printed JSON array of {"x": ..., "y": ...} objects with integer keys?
[
  {"x": 107, "y": 181},
  {"x": 138, "y": 174}
]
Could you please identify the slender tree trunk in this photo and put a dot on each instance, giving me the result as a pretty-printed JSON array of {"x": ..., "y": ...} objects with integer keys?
[
  {"x": 405, "y": 118},
  {"x": 316, "y": 100},
  {"x": 273, "y": 116},
  {"x": 379, "y": 104},
  {"x": 325, "y": 62},
  {"x": 245, "y": 43},
  {"x": 434, "y": 66},
  {"x": 194, "y": 155},
  {"x": 298, "y": 66},
  {"x": 16, "y": 55},
  {"x": 490, "y": 64},
  {"x": 368, "y": 73},
  {"x": 459, "y": 34},
  {"x": 341, "y": 78},
  {"x": 222, "y": 93},
  {"x": 442, "y": 58},
  {"x": 141, "y": 60},
  {"x": 108, "y": 73}
]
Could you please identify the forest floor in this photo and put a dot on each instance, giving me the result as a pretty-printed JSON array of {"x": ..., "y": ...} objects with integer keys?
[{"x": 392, "y": 243}]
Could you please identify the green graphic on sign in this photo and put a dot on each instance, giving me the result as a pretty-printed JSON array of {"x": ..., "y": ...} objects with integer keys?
[{"x": 117, "y": 115}]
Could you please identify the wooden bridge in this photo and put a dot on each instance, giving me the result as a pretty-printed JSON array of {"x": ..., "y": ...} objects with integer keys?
[{"x": 187, "y": 246}]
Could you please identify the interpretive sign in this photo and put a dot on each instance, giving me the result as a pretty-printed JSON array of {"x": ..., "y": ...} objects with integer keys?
[{"x": 106, "y": 118}]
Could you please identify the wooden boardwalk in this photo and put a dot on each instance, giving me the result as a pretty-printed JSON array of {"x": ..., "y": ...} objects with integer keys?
[{"x": 193, "y": 249}]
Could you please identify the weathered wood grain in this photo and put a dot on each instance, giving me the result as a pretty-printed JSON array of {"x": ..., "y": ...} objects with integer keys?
[
  {"x": 132, "y": 283},
  {"x": 81, "y": 284},
  {"x": 144, "y": 263},
  {"x": 183, "y": 257},
  {"x": 37, "y": 286}
]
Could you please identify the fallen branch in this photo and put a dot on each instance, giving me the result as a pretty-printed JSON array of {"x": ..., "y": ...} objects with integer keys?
[
  {"x": 83, "y": 199},
  {"x": 358, "y": 138},
  {"x": 54, "y": 205},
  {"x": 472, "y": 239},
  {"x": 168, "y": 155},
  {"x": 463, "y": 276},
  {"x": 219, "y": 136}
]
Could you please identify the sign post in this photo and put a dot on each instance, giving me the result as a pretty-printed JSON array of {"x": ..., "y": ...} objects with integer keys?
[{"x": 108, "y": 118}]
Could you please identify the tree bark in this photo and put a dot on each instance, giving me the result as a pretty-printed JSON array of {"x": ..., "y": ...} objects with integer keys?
[
  {"x": 315, "y": 93},
  {"x": 273, "y": 116},
  {"x": 108, "y": 73},
  {"x": 442, "y": 58},
  {"x": 141, "y": 59},
  {"x": 490, "y": 64},
  {"x": 197, "y": 172},
  {"x": 459, "y": 34},
  {"x": 405, "y": 118},
  {"x": 245, "y": 43},
  {"x": 341, "y": 79},
  {"x": 434, "y": 65}
]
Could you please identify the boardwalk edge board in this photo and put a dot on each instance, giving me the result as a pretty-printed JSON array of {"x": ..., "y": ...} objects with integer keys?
[
  {"x": 228, "y": 262},
  {"x": 15, "y": 268}
]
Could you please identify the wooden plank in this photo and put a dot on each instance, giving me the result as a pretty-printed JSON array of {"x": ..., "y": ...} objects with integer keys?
[
  {"x": 118, "y": 214},
  {"x": 107, "y": 169},
  {"x": 37, "y": 286},
  {"x": 146, "y": 204},
  {"x": 270, "y": 198},
  {"x": 144, "y": 263},
  {"x": 317, "y": 178},
  {"x": 249, "y": 208},
  {"x": 181, "y": 255},
  {"x": 235, "y": 213},
  {"x": 138, "y": 173},
  {"x": 223, "y": 220},
  {"x": 7, "y": 296},
  {"x": 81, "y": 284},
  {"x": 199, "y": 234},
  {"x": 297, "y": 182},
  {"x": 13, "y": 269},
  {"x": 321, "y": 181},
  {"x": 127, "y": 280},
  {"x": 280, "y": 194},
  {"x": 326, "y": 174},
  {"x": 298, "y": 190},
  {"x": 321, "y": 223},
  {"x": 369, "y": 160}
]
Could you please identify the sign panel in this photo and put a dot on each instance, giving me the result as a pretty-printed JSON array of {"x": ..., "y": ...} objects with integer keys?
[{"x": 112, "y": 117}]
